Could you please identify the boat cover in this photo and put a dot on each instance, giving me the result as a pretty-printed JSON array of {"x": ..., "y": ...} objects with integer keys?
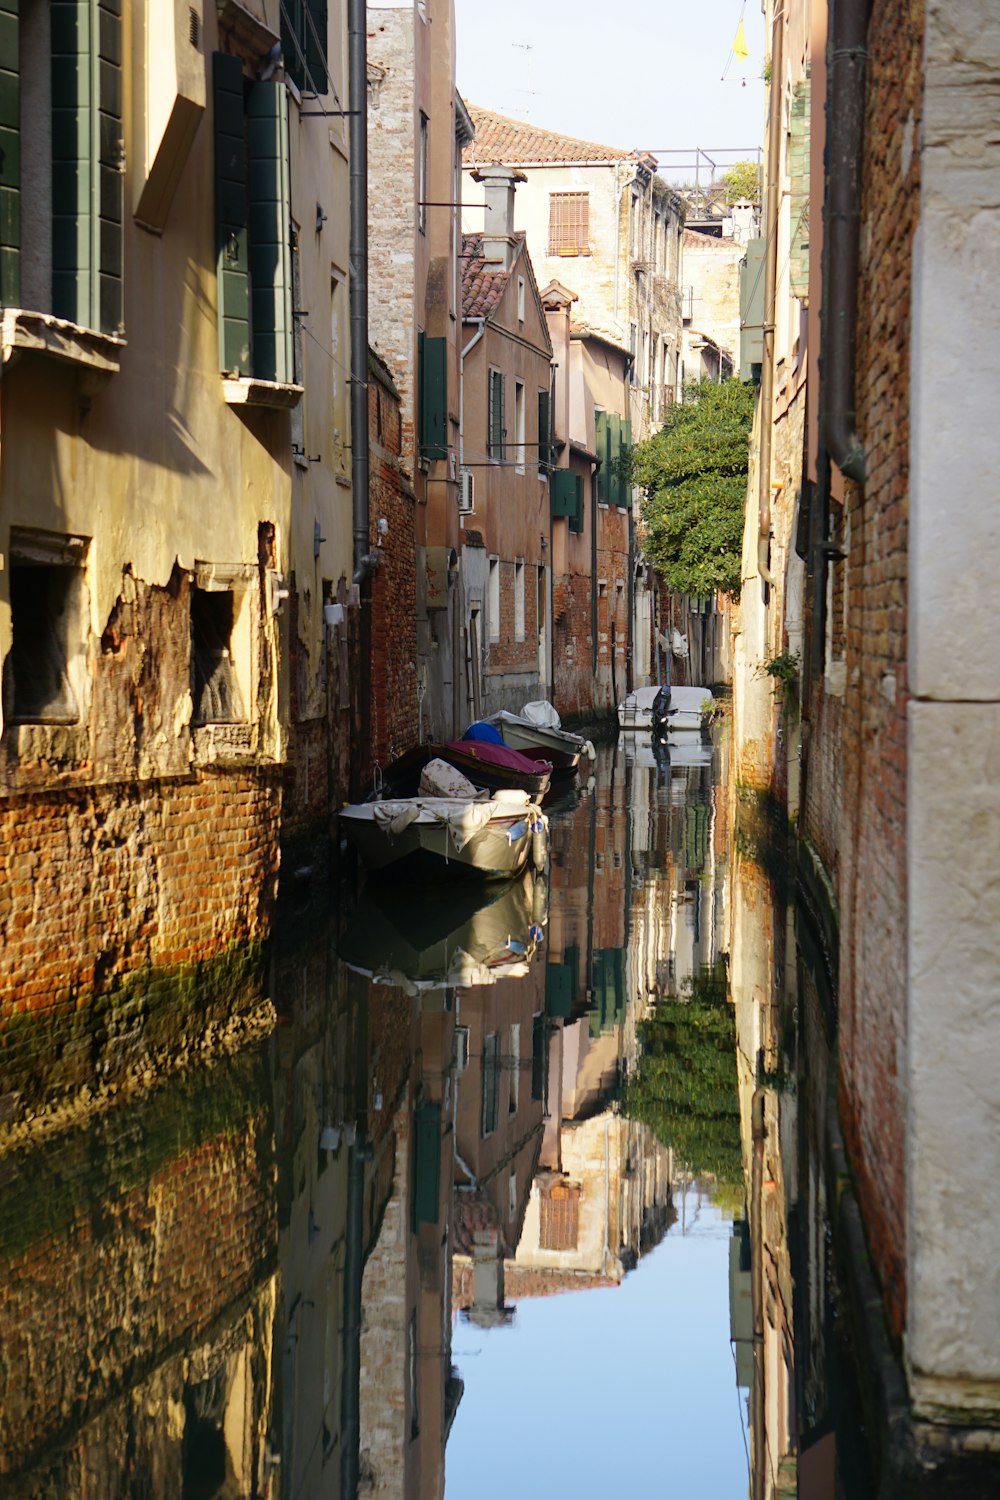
[
  {"x": 499, "y": 755},
  {"x": 541, "y": 712},
  {"x": 481, "y": 730}
]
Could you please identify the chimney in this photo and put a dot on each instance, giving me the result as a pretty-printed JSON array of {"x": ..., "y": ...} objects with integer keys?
[{"x": 499, "y": 185}]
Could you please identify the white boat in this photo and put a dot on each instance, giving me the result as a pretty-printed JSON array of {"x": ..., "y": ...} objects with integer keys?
[
  {"x": 521, "y": 732},
  {"x": 487, "y": 838},
  {"x": 687, "y": 711}
]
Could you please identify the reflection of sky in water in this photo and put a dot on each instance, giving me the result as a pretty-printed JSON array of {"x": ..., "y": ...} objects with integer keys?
[{"x": 620, "y": 1390}]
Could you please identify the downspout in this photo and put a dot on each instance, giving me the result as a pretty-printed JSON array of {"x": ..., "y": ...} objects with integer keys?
[
  {"x": 770, "y": 290},
  {"x": 365, "y": 561},
  {"x": 846, "y": 120}
]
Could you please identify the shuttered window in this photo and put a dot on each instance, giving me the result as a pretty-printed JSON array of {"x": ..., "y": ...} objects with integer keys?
[
  {"x": 569, "y": 223},
  {"x": 10, "y": 155},
  {"x": 559, "y": 1216},
  {"x": 253, "y": 235},
  {"x": 304, "y": 44},
  {"x": 544, "y": 433},
  {"x": 426, "y": 1163},
  {"x": 270, "y": 248},
  {"x": 432, "y": 396},
  {"x": 491, "y": 1085},
  {"x": 538, "y": 1056},
  {"x": 497, "y": 434},
  {"x": 87, "y": 162},
  {"x": 613, "y": 439}
]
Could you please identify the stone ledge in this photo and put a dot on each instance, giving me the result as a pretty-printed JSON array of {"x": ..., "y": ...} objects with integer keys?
[
  {"x": 37, "y": 332},
  {"x": 246, "y": 391}
]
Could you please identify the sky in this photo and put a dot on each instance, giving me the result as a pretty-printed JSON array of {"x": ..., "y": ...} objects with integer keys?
[
  {"x": 639, "y": 74},
  {"x": 630, "y": 1390}
]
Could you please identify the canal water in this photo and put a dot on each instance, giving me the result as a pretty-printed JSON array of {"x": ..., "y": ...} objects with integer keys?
[{"x": 451, "y": 1192}]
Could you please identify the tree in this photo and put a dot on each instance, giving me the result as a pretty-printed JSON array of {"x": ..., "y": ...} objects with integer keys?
[
  {"x": 742, "y": 182},
  {"x": 684, "y": 1083},
  {"x": 694, "y": 473}
]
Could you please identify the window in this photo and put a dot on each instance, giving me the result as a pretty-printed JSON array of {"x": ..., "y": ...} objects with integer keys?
[
  {"x": 413, "y": 1381},
  {"x": 544, "y": 432},
  {"x": 215, "y": 690},
  {"x": 493, "y": 598},
  {"x": 520, "y": 299},
  {"x": 61, "y": 246},
  {"x": 496, "y": 438},
  {"x": 634, "y": 222},
  {"x": 633, "y": 341},
  {"x": 538, "y": 1056},
  {"x": 511, "y": 1196},
  {"x": 432, "y": 396},
  {"x": 519, "y": 425},
  {"x": 45, "y": 675},
  {"x": 253, "y": 235},
  {"x": 304, "y": 43},
  {"x": 569, "y": 223},
  {"x": 422, "y": 175},
  {"x": 519, "y": 599},
  {"x": 491, "y": 1083},
  {"x": 559, "y": 1215},
  {"x": 514, "y": 1096}
]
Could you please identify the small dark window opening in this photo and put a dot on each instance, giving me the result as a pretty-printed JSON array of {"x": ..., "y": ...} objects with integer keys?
[
  {"x": 36, "y": 682},
  {"x": 215, "y": 690}
]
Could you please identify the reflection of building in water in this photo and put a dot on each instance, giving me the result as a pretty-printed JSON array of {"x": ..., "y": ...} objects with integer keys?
[
  {"x": 500, "y": 1085},
  {"x": 137, "y": 1256}
]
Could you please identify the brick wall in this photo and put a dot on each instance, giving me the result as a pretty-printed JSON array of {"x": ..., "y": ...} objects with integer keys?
[
  {"x": 392, "y": 681},
  {"x": 121, "y": 905},
  {"x": 873, "y": 841}
]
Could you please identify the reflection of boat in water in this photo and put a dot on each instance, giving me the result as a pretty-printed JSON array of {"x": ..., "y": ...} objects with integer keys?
[
  {"x": 678, "y": 751},
  {"x": 486, "y": 838},
  {"x": 469, "y": 935}
]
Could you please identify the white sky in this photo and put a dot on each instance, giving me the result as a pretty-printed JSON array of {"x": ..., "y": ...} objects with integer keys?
[{"x": 636, "y": 74}]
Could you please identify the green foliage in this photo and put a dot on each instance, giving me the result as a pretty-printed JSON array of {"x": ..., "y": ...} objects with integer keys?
[
  {"x": 694, "y": 473},
  {"x": 783, "y": 670},
  {"x": 742, "y": 182},
  {"x": 684, "y": 1084}
]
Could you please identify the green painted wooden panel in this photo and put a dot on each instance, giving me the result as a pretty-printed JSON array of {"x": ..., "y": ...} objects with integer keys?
[
  {"x": 497, "y": 431},
  {"x": 609, "y": 989},
  {"x": 231, "y": 244},
  {"x": 562, "y": 493},
  {"x": 621, "y": 465},
  {"x": 269, "y": 232},
  {"x": 601, "y": 446},
  {"x": 87, "y": 179},
  {"x": 426, "y": 1163},
  {"x": 10, "y": 154},
  {"x": 752, "y": 308},
  {"x": 576, "y": 516},
  {"x": 432, "y": 397},
  {"x": 538, "y": 1057}
]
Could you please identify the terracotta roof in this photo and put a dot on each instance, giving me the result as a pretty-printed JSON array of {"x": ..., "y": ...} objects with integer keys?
[
  {"x": 483, "y": 284},
  {"x": 516, "y": 143}
]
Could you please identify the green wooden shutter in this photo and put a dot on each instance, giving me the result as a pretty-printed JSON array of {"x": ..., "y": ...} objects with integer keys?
[
  {"x": 601, "y": 446},
  {"x": 538, "y": 1057},
  {"x": 544, "y": 433},
  {"x": 562, "y": 492},
  {"x": 624, "y": 479},
  {"x": 495, "y": 436},
  {"x": 270, "y": 248},
  {"x": 576, "y": 515},
  {"x": 231, "y": 243},
  {"x": 614, "y": 453},
  {"x": 426, "y": 1163},
  {"x": 432, "y": 396},
  {"x": 798, "y": 171},
  {"x": 87, "y": 183},
  {"x": 10, "y": 155}
]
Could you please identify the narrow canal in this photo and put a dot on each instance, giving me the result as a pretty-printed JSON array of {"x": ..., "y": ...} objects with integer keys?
[{"x": 446, "y": 1193}]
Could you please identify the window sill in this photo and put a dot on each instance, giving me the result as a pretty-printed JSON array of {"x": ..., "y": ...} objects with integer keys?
[
  {"x": 246, "y": 391},
  {"x": 42, "y": 333}
]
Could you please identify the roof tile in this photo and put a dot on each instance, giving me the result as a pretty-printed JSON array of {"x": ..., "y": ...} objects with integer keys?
[{"x": 517, "y": 143}]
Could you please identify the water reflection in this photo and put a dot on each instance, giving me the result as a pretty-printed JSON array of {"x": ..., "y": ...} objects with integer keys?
[{"x": 244, "y": 1274}]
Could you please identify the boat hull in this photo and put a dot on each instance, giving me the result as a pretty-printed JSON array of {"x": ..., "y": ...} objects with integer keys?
[{"x": 428, "y": 848}]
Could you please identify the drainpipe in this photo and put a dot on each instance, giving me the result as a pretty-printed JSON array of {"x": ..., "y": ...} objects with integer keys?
[
  {"x": 357, "y": 45},
  {"x": 770, "y": 289},
  {"x": 846, "y": 120}
]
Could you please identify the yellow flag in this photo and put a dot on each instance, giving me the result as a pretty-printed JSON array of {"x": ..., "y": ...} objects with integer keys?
[{"x": 740, "y": 44}]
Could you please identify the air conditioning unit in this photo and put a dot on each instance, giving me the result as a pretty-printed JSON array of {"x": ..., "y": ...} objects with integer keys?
[{"x": 466, "y": 492}]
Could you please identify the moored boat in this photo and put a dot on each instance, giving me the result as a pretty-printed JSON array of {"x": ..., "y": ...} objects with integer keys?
[
  {"x": 685, "y": 708},
  {"x": 490, "y": 767},
  {"x": 563, "y": 749},
  {"x": 486, "y": 838}
]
